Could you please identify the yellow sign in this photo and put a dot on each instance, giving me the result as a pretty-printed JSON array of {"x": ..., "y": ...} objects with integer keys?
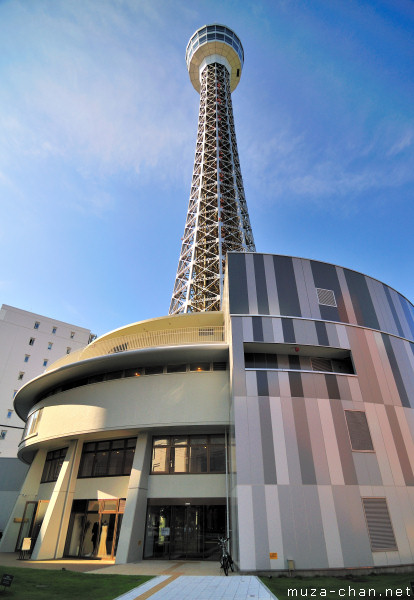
[{"x": 273, "y": 555}]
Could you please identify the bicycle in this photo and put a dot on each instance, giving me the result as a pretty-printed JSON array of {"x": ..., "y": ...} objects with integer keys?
[{"x": 226, "y": 560}]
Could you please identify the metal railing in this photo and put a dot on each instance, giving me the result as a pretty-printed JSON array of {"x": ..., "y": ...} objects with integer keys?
[{"x": 145, "y": 339}]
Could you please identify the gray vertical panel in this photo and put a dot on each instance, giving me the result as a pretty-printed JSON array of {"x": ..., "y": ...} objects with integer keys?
[
  {"x": 408, "y": 310},
  {"x": 273, "y": 383},
  {"x": 267, "y": 327},
  {"x": 296, "y": 542},
  {"x": 366, "y": 467},
  {"x": 238, "y": 298},
  {"x": 321, "y": 333},
  {"x": 262, "y": 384},
  {"x": 305, "y": 332},
  {"x": 401, "y": 350},
  {"x": 361, "y": 299},
  {"x": 400, "y": 446},
  {"x": 344, "y": 444},
  {"x": 332, "y": 335},
  {"x": 286, "y": 286},
  {"x": 256, "y": 458},
  {"x": 295, "y": 476},
  {"x": 295, "y": 382},
  {"x": 389, "y": 347},
  {"x": 268, "y": 450},
  {"x": 310, "y": 289},
  {"x": 251, "y": 284},
  {"x": 261, "y": 288},
  {"x": 257, "y": 329},
  {"x": 390, "y": 312},
  {"x": 356, "y": 548},
  {"x": 332, "y": 387},
  {"x": 325, "y": 277},
  {"x": 367, "y": 377},
  {"x": 318, "y": 445},
  {"x": 272, "y": 294},
  {"x": 377, "y": 294},
  {"x": 288, "y": 331},
  {"x": 301, "y": 287},
  {"x": 320, "y": 386},
  {"x": 241, "y": 427},
  {"x": 261, "y": 535},
  {"x": 239, "y": 380},
  {"x": 315, "y": 526},
  {"x": 307, "y": 466},
  {"x": 346, "y": 295}
]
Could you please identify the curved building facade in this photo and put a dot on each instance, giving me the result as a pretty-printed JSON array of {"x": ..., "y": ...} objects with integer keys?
[{"x": 285, "y": 421}]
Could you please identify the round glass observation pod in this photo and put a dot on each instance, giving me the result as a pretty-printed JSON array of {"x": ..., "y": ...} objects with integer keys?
[{"x": 210, "y": 41}]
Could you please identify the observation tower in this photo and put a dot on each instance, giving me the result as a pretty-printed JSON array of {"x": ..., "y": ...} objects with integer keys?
[{"x": 217, "y": 218}]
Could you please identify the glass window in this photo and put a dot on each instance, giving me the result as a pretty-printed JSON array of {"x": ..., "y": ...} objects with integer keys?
[
  {"x": 72, "y": 334},
  {"x": 36, "y": 325},
  {"x": 137, "y": 372},
  {"x": 200, "y": 367},
  {"x": 157, "y": 370},
  {"x": 31, "y": 341},
  {"x": 53, "y": 465},
  {"x": 54, "y": 329},
  {"x": 21, "y": 375},
  {"x": 26, "y": 358},
  {"x": 160, "y": 459},
  {"x": 45, "y": 361},
  {"x": 107, "y": 458},
  {"x": 198, "y": 459},
  {"x": 68, "y": 350},
  {"x": 49, "y": 346},
  {"x": 3, "y": 434},
  {"x": 176, "y": 368},
  {"x": 10, "y": 413},
  {"x": 189, "y": 454}
]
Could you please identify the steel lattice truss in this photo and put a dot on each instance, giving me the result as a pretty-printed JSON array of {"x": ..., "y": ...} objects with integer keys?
[{"x": 217, "y": 219}]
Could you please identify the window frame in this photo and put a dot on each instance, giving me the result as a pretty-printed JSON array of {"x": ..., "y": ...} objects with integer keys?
[
  {"x": 91, "y": 467},
  {"x": 170, "y": 454}
]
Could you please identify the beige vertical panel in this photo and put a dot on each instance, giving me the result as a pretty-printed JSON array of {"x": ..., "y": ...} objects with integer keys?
[
  {"x": 274, "y": 527},
  {"x": 273, "y": 382},
  {"x": 355, "y": 389},
  {"x": 406, "y": 433},
  {"x": 371, "y": 338},
  {"x": 364, "y": 367},
  {"x": 284, "y": 384},
  {"x": 247, "y": 329},
  {"x": 393, "y": 396},
  {"x": 330, "y": 527},
  {"x": 346, "y": 295},
  {"x": 397, "y": 516},
  {"x": 291, "y": 442},
  {"x": 279, "y": 442},
  {"x": 237, "y": 356},
  {"x": 245, "y": 518},
  {"x": 379, "y": 443},
  {"x": 301, "y": 287},
  {"x": 251, "y": 285},
  {"x": 407, "y": 513},
  {"x": 389, "y": 443},
  {"x": 342, "y": 336},
  {"x": 241, "y": 426},
  {"x": 310, "y": 288},
  {"x": 320, "y": 386},
  {"x": 409, "y": 415},
  {"x": 278, "y": 330},
  {"x": 273, "y": 298},
  {"x": 332, "y": 333},
  {"x": 329, "y": 436},
  {"x": 343, "y": 386},
  {"x": 251, "y": 383},
  {"x": 317, "y": 443},
  {"x": 308, "y": 383},
  {"x": 361, "y": 468}
]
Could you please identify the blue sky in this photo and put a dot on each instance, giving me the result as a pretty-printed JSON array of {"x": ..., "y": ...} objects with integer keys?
[{"x": 98, "y": 122}]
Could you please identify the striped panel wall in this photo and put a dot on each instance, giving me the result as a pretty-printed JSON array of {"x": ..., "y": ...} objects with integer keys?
[
  {"x": 286, "y": 286},
  {"x": 298, "y": 484}
]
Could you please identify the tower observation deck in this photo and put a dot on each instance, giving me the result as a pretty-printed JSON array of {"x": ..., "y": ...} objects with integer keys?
[{"x": 217, "y": 218}]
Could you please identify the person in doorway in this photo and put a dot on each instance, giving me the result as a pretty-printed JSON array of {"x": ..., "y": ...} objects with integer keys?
[{"x": 94, "y": 539}]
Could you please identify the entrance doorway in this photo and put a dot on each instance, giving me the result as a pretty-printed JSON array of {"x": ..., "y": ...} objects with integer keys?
[
  {"x": 32, "y": 520},
  {"x": 184, "y": 532},
  {"x": 94, "y": 528}
]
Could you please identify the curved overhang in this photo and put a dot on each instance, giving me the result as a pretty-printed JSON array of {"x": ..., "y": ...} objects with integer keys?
[{"x": 31, "y": 393}]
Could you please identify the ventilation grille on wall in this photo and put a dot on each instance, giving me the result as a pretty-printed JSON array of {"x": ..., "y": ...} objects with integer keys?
[
  {"x": 380, "y": 530},
  {"x": 321, "y": 364},
  {"x": 358, "y": 430},
  {"x": 326, "y": 297}
]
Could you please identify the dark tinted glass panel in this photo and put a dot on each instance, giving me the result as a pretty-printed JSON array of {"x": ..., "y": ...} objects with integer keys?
[
  {"x": 116, "y": 458},
  {"x": 198, "y": 459},
  {"x": 153, "y": 370},
  {"x": 101, "y": 464},
  {"x": 200, "y": 367},
  {"x": 133, "y": 372},
  {"x": 103, "y": 445},
  {"x": 176, "y": 368},
  {"x": 87, "y": 464},
  {"x": 113, "y": 375},
  {"x": 129, "y": 459},
  {"x": 217, "y": 459}
]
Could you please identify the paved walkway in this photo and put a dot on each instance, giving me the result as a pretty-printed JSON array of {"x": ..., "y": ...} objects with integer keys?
[{"x": 182, "y": 587}]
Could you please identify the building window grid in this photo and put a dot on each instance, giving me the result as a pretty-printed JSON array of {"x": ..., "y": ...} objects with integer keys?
[
  {"x": 53, "y": 465},
  {"x": 108, "y": 458},
  {"x": 194, "y": 454}
]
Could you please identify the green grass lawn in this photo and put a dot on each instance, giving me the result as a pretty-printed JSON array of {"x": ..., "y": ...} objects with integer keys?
[
  {"x": 41, "y": 584},
  {"x": 341, "y": 587}
]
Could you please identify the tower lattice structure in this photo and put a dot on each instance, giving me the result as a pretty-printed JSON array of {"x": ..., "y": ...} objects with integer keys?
[{"x": 217, "y": 218}]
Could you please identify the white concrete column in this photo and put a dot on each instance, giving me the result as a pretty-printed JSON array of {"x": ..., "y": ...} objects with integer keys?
[
  {"x": 131, "y": 539},
  {"x": 52, "y": 535},
  {"x": 28, "y": 493}
]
